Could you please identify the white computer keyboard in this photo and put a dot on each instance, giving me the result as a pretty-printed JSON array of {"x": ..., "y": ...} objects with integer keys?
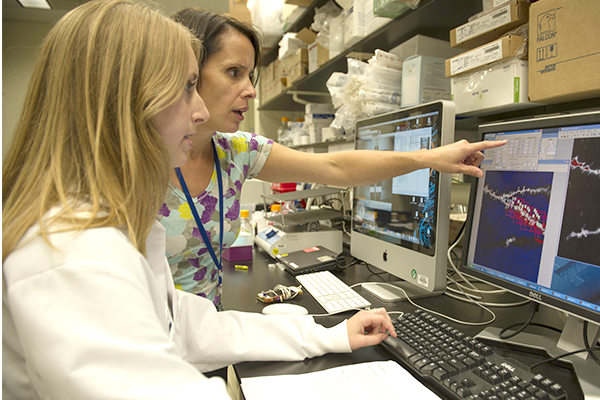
[{"x": 330, "y": 292}]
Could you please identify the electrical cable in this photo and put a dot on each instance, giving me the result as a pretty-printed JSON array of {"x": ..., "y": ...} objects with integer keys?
[
  {"x": 587, "y": 343},
  {"x": 340, "y": 266},
  {"x": 435, "y": 312},
  {"x": 371, "y": 271},
  {"x": 473, "y": 288},
  {"x": 534, "y": 307},
  {"x": 564, "y": 355}
]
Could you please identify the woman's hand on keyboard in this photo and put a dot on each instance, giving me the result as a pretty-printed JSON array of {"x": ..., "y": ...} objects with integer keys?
[{"x": 368, "y": 328}]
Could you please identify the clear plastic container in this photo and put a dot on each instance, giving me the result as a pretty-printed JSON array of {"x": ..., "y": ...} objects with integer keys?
[
  {"x": 246, "y": 229},
  {"x": 283, "y": 132},
  {"x": 275, "y": 210},
  {"x": 241, "y": 249}
]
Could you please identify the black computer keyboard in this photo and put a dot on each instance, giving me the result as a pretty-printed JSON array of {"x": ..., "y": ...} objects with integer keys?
[{"x": 462, "y": 367}]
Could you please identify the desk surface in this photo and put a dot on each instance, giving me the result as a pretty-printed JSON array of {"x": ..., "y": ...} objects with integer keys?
[{"x": 241, "y": 287}]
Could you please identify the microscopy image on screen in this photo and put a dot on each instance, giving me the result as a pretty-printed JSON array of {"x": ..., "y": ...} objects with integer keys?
[
  {"x": 576, "y": 279},
  {"x": 580, "y": 231},
  {"x": 510, "y": 237}
]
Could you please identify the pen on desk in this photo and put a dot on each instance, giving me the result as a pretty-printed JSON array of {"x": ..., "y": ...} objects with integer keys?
[{"x": 244, "y": 267}]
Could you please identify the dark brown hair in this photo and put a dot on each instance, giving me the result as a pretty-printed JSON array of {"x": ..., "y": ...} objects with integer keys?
[{"x": 208, "y": 27}]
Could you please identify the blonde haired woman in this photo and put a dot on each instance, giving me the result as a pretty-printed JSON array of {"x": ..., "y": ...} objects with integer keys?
[{"x": 89, "y": 308}]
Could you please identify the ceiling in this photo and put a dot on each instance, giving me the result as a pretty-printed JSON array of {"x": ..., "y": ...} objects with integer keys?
[{"x": 12, "y": 10}]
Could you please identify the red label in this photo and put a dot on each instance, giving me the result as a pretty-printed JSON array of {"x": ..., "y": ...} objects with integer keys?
[{"x": 311, "y": 249}]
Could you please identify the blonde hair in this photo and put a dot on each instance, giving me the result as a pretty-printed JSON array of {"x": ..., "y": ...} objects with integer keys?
[{"x": 85, "y": 139}]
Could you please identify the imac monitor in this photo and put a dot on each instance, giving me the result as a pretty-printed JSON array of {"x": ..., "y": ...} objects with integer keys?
[
  {"x": 401, "y": 225},
  {"x": 534, "y": 219}
]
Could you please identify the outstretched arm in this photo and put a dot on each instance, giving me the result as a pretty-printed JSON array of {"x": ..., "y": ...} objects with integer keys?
[{"x": 362, "y": 167}]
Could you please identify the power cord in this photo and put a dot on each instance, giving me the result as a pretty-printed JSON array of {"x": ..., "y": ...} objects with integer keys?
[
  {"x": 587, "y": 343},
  {"x": 534, "y": 307},
  {"x": 435, "y": 312},
  {"x": 341, "y": 264},
  {"x": 373, "y": 272},
  {"x": 566, "y": 355}
]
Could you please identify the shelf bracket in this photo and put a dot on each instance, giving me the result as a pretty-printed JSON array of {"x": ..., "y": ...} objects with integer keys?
[{"x": 296, "y": 93}]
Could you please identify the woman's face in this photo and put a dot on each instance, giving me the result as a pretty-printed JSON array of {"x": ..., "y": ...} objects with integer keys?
[
  {"x": 179, "y": 121},
  {"x": 226, "y": 82}
]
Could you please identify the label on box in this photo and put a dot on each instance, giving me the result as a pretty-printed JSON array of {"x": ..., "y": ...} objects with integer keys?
[
  {"x": 310, "y": 249},
  {"x": 498, "y": 3},
  {"x": 473, "y": 59},
  {"x": 484, "y": 24}
]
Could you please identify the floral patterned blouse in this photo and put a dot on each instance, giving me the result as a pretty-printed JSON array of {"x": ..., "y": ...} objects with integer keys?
[{"x": 242, "y": 156}]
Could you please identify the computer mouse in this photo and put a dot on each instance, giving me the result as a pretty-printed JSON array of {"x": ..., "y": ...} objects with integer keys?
[{"x": 283, "y": 308}]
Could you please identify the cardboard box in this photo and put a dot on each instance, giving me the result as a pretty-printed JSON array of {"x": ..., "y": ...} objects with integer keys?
[
  {"x": 354, "y": 24},
  {"x": 297, "y": 57},
  {"x": 319, "y": 118},
  {"x": 425, "y": 46},
  {"x": 456, "y": 223},
  {"x": 373, "y": 22},
  {"x": 423, "y": 80},
  {"x": 301, "y": 3},
  {"x": 499, "y": 88},
  {"x": 390, "y": 8},
  {"x": 296, "y": 72},
  {"x": 507, "y": 47},
  {"x": 317, "y": 56},
  {"x": 322, "y": 108},
  {"x": 239, "y": 11},
  {"x": 288, "y": 45},
  {"x": 564, "y": 50},
  {"x": 490, "y": 26}
]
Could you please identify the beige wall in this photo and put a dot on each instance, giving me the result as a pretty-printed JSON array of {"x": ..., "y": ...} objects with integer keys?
[{"x": 20, "y": 42}]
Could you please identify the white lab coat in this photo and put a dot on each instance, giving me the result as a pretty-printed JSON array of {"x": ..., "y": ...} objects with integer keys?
[{"x": 94, "y": 319}]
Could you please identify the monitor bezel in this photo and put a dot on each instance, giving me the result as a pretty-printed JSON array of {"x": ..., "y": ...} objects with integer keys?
[
  {"x": 592, "y": 117},
  {"x": 374, "y": 251}
]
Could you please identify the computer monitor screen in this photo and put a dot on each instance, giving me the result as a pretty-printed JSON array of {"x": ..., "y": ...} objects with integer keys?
[
  {"x": 401, "y": 225},
  {"x": 534, "y": 219}
]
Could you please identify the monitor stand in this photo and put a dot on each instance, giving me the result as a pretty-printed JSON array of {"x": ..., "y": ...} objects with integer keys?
[
  {"x": 396, "y": 291},
  {"x": 571, "y": 339}
]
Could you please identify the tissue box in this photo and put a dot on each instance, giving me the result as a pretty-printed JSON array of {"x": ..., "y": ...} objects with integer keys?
[
  {"x": 425, "y": 46},
  {"x": 498, "y": 88}
]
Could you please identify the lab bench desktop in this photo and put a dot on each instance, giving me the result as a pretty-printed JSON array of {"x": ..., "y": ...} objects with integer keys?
[{"x": 241, "y": 287}]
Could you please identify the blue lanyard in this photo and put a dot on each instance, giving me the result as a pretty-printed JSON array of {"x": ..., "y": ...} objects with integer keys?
[{"x": 207, "y": 241}]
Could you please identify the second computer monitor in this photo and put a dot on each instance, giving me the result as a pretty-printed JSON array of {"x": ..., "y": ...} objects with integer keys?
[{"x": 401, "y": 225}]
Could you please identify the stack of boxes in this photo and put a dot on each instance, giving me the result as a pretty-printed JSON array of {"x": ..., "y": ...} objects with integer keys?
[
  {"x": 423, "y": 77},
  {"x": 491, "y": 76},
  {"x": 272, "y": 81},
  {"x": 317, "y": 116}
]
